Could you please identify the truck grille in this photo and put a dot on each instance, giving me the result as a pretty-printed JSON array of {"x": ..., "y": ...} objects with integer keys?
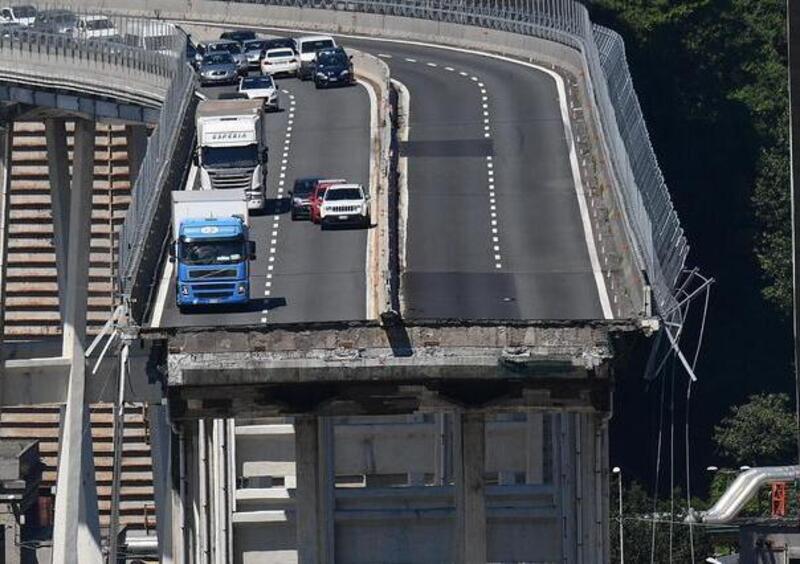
[
  {"x": 207, "y": 274},
  {"x": 222, "y": 180},
  {"x": 343, "y": 209}
]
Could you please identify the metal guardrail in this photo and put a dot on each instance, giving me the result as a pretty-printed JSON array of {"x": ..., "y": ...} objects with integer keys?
[
  {"x": 137, "y": 59},
  {"x": 164, "y": 144},
  {"x": 648, "y": 209}
]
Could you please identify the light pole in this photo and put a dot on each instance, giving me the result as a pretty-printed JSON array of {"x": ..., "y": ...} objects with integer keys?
[{"x": 618, "y": 471}]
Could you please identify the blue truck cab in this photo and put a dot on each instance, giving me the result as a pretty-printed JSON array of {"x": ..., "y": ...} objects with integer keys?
[{"x": 212, "y": 253}]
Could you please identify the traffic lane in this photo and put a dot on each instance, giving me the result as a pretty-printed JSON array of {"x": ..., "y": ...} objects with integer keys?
[
  {"x": 451, "y": 267},
  {"x": 259, "y": 231},
  {"x": 541, "y": 236},
  {"x": 321, "y": 275}
]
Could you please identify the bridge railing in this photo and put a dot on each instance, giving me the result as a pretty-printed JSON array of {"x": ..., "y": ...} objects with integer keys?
[
  {"x": 647, "y": 206},
  {"x": 137, "y": 60}
]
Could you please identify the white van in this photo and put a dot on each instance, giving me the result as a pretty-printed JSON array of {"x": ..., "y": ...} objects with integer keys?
[
  {"x": 96, "y": 27},
  {"x": 21, "y": 15},
  {"x": 307, "y": 47}
]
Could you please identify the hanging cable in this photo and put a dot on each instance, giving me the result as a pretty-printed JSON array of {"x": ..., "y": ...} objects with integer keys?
[
  {"x": 700, "y": 336},
  {"x": 658, "y": 471},
  {"x": 671, "y": 459}
]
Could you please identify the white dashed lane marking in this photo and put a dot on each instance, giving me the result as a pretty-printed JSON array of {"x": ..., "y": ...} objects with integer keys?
[
  {"x": 273, "y": 243},
  {"x": 411, "y": 60}
]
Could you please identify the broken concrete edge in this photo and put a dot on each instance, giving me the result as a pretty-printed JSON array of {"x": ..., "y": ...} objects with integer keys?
[
  {"x": 375, "y": 75},
  {"x": 645, "y": 326}
]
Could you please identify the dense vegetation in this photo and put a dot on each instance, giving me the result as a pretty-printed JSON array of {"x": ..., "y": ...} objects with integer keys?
[
  {"x": 722, "y": 65},
  {"x": 711, "y": 76},
  {"x": 757, "y": 433}
]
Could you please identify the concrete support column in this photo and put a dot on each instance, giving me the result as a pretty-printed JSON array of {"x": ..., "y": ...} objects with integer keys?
[
  {"x": 166, "y": 486},
  {"x": 314, "y": 499},
  {"x": 9, "y": 533},
  {"x": 534, "y": 448},
  {"x": 6, "y": 142},
  {"x": 76, "y": 534},
  {"x": 58, "y": 170},
  {"x": 136, "y": 136},
  {"x": 470, "y": 451}
]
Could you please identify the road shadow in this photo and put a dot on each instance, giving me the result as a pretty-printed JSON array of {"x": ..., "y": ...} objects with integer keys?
[{"x": 277, "y": 206}]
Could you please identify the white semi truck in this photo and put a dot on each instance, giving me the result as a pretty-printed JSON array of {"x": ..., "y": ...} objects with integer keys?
[{"x": 232, "y": 147}]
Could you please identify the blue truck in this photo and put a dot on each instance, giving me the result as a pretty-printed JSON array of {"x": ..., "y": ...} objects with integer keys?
[{"x": 211, "y": 248}]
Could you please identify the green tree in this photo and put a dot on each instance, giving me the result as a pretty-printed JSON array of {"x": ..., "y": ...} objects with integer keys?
[
  {"x": 759, "y": 432},
  {"x": 638, "y": 528}
]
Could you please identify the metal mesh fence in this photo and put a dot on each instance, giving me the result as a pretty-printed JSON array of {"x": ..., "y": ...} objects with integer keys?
[
  {"x": 88, "y": 48},
  {"x": 648, "y": 209}
]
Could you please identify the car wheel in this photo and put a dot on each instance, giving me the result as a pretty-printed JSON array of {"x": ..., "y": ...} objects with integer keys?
[
  {"x": 317, "y": 85},
  {"x": 367, "y": 222}
]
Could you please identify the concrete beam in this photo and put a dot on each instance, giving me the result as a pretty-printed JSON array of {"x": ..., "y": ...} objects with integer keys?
[
  {"x": 470, "y": 488},
  {"x": 76, "y": 534},
  {"x": 58, "y": 171},
  {"x": 6, "y": 142},
  {"x": 137, "y": 147}
]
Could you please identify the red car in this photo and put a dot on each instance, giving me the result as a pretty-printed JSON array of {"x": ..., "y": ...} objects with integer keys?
[{"x": 319, "y": 192}]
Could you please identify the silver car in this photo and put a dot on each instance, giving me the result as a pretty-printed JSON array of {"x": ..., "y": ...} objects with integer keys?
[
  {"x": 254, "y": 51},
  {"x": 232, "y": 47},
  {"x": 218, "y": 68}
]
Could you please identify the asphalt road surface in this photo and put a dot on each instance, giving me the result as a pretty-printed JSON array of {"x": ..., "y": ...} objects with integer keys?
[
  {"x": 301, "y": 273},
  {"x": 494, "y": 226}
]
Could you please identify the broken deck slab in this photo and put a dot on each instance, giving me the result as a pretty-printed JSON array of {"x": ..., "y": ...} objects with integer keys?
[{"x": 366, "y": 368}]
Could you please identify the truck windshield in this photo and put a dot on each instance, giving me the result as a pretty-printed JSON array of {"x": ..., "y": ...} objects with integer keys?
[
  {"x": 24, "y": 11},
  {"x": 343, "y": 194},
  {"x": 230, "y": 157},
  {"x": 212, "y": 251}
]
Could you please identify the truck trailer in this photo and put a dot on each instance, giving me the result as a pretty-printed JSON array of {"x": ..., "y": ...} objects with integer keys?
[
  {"x": 211, "y": 248},
  {"x": 232, "y": 148}
]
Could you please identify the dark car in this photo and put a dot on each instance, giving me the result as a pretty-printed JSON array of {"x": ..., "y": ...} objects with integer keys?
[
  {"x": 240, "y": 35},
  {"x": 218, "y": 68},
  {"x": 279, "y": 43},
  {"x": 56, "y": 21},
  {"x": 300, "y": 196},
  {"x": 333, "y": 67}
]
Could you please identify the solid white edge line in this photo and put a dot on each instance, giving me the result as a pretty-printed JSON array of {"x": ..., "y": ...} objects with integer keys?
[
  {"x": 166, "y": 276},
  {"x": 373, "y": 168},
  {"x": 598, "y": 275}
]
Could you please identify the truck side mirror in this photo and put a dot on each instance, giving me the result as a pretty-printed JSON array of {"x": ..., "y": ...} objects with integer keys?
[
  {"x": 195, "y": 158},
  {"x": 172, "y": 253},
  {"x": 251, "y": 248}
]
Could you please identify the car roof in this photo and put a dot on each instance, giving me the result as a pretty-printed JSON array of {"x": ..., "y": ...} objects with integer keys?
[
  {"x": 312, "y": 37},
  {"x": 342, "y": 185},
  {"x": 93, "y": 18},
  {"x": 223, "y": 42}
]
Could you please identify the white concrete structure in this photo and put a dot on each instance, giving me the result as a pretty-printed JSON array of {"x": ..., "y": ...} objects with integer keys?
[{"x": 433, "y": 487}]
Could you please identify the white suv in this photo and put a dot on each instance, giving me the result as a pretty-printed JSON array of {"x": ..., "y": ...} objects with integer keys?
[
  {"x": 307, "y": 48},
  {"x": 345, "y": 204}
]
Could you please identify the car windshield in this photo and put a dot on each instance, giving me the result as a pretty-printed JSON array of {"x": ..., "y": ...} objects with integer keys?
[
  {"x": 343, "y": 194},
  {"x": 239, "y": 35},
  {"x": 303, "y": 187},
  {"x": 251, "y": 46},
  {"x": 99, "y": 24},
  {"x": 218, "y": 59},
  {"x": 331, "y": 59},
  {"x": 24, "y": 11},
  {"x": 280, "y": 53},
  {"x": 233, "y": 48},
  {"x": 279, "y": 43},
  {"x": 230, "y": 157},
  {"x": 257, "y": 82},
  {"x": 316, "y": 45},
  {"x": 212, "y": 251}
]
